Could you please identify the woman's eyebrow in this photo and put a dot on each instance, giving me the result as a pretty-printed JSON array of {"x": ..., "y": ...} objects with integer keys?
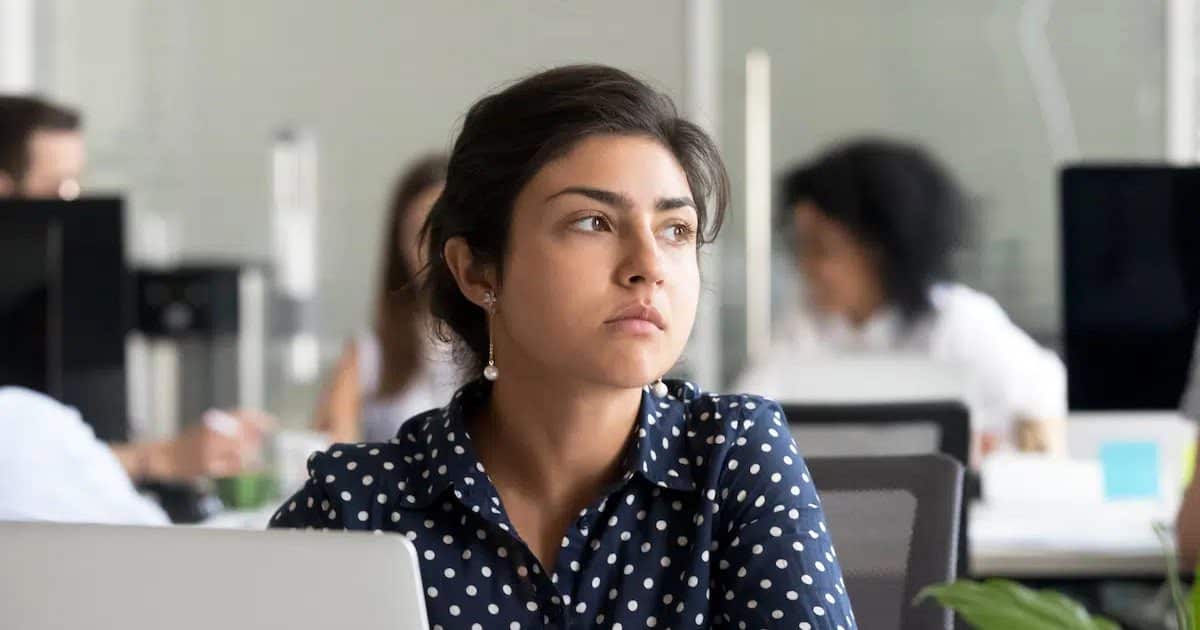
[{"x": 621, "y": 201}]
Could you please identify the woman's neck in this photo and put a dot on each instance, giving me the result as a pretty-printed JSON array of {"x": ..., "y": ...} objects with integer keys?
[{"x": 556, "y": 441}]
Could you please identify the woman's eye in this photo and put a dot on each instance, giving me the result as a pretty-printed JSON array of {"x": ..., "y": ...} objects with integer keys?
[
  {"x": 679, "y": 232},
  {"x": 591, "y": 224}
]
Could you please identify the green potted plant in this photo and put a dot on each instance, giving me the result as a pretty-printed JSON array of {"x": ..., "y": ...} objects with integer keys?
[{"x": 1006, "y": 605}]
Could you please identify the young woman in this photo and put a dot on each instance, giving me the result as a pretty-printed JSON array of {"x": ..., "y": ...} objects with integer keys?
[
  {"x": 875, "y": 223},
  {"x": 398, "y": 369},
  {"x": 569, "y": 486}
]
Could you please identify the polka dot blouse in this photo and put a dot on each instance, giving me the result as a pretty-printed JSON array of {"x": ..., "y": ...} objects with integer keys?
[{"x": 716, "y": 523}]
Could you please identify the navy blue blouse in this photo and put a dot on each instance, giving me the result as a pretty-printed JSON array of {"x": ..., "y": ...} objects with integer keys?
[{"x": 715, "y": 523}]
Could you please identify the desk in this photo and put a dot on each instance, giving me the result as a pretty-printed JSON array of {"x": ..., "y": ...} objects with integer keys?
[{"x": 1101, "y": 541}]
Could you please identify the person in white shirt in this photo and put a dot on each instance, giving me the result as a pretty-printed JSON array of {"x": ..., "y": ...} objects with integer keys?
[
  {"x": 398, "y": 368},
  {"x": 875, "y": 223}
]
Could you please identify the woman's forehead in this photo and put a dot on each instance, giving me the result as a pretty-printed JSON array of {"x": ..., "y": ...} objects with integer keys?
[{"x": 637, "y": 167}]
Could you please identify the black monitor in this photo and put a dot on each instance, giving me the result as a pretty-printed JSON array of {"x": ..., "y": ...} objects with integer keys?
[
  {"x": 64, "y": 306},
  {"x": 1131, "y": 283}
]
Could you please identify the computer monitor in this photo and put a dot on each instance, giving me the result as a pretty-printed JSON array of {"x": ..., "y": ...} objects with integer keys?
[
  {"x": 1131, "y": 283},
  {"x": 64, "y": 305}
]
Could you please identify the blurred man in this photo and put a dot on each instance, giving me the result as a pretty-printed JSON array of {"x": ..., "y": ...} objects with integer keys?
[
  {"x": 41, "y": 149},
  {"x": 42, "y": 156}
]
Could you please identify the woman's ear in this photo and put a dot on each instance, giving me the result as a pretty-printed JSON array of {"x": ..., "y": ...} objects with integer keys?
[{"x": 474, "y": 279}]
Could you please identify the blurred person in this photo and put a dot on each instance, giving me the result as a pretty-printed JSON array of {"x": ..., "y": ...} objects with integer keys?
[
  {"x": 1187, "y": 525},
  {"x": 397, "y": 369},
  {"x": 54, "y": 469},
  {"x": 42, "y": 156},
  {"x": 875, "y": 223},
  {"x": 41, "y": 149},
  {"x": 564, "y": 262}
]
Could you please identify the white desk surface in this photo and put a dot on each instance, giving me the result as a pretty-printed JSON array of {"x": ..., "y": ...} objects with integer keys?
[{"x": 1083, "y": 541}]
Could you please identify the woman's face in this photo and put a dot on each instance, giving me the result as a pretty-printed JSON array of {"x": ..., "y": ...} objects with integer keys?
[
  {"x": 601, "y": 278},
  {"x": 839, "y": 271},
  {"x": 409, "y": 229}
]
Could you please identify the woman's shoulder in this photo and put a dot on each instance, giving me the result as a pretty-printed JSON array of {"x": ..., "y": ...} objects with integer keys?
[
  {"x": 959, "y": 302},
  {"x": 747, "y": 452},
  {"x": 395, "y": 466},
  {"x": 719, "y": 423}
]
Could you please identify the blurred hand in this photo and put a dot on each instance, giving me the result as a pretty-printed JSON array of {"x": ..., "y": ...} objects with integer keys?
[
  {"x": 222, "y": 445},
  {"x": 1041, "y": 436}
]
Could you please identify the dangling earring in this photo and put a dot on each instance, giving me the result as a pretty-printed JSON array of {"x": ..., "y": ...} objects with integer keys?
[
  {"x": 490, "y": 371},
  {"x": 659, "y": 388}
]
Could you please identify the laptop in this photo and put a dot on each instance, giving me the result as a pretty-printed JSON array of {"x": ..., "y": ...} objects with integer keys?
[{"x": 148, "y": 578}]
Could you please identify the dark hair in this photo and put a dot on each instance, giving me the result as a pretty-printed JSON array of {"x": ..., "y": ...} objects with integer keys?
[
  {"x": 508, "y": 136},
  {"x": 20, "y": 116},
  {"x": 897, "y": 201},
  {"x": 397, "y": 307}
]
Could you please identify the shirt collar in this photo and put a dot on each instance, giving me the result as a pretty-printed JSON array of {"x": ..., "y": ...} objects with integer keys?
[
  {"x": 441, "y": 442},
  {"x": 660, "y": 453}
]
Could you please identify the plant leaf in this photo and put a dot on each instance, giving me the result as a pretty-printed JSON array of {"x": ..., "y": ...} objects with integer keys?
[{"x": 1006, "y": 605}]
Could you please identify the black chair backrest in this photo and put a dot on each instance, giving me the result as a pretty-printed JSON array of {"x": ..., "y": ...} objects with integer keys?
[
  {"x": 895, "y": 524},
  {"x": 950, "y": 417}
]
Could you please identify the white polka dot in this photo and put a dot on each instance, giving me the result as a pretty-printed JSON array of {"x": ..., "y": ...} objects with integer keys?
[{"x": 362, "y": 515}]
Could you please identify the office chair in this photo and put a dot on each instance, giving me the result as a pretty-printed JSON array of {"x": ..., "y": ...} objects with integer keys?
[
  {"x": 882, "y": 429},
  {"x": 895, "y": 524},
  {"x": 909, "y": 428}
]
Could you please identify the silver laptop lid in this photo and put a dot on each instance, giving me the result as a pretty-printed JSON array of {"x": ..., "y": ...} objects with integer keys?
[{"x": 143, "y": 578}]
